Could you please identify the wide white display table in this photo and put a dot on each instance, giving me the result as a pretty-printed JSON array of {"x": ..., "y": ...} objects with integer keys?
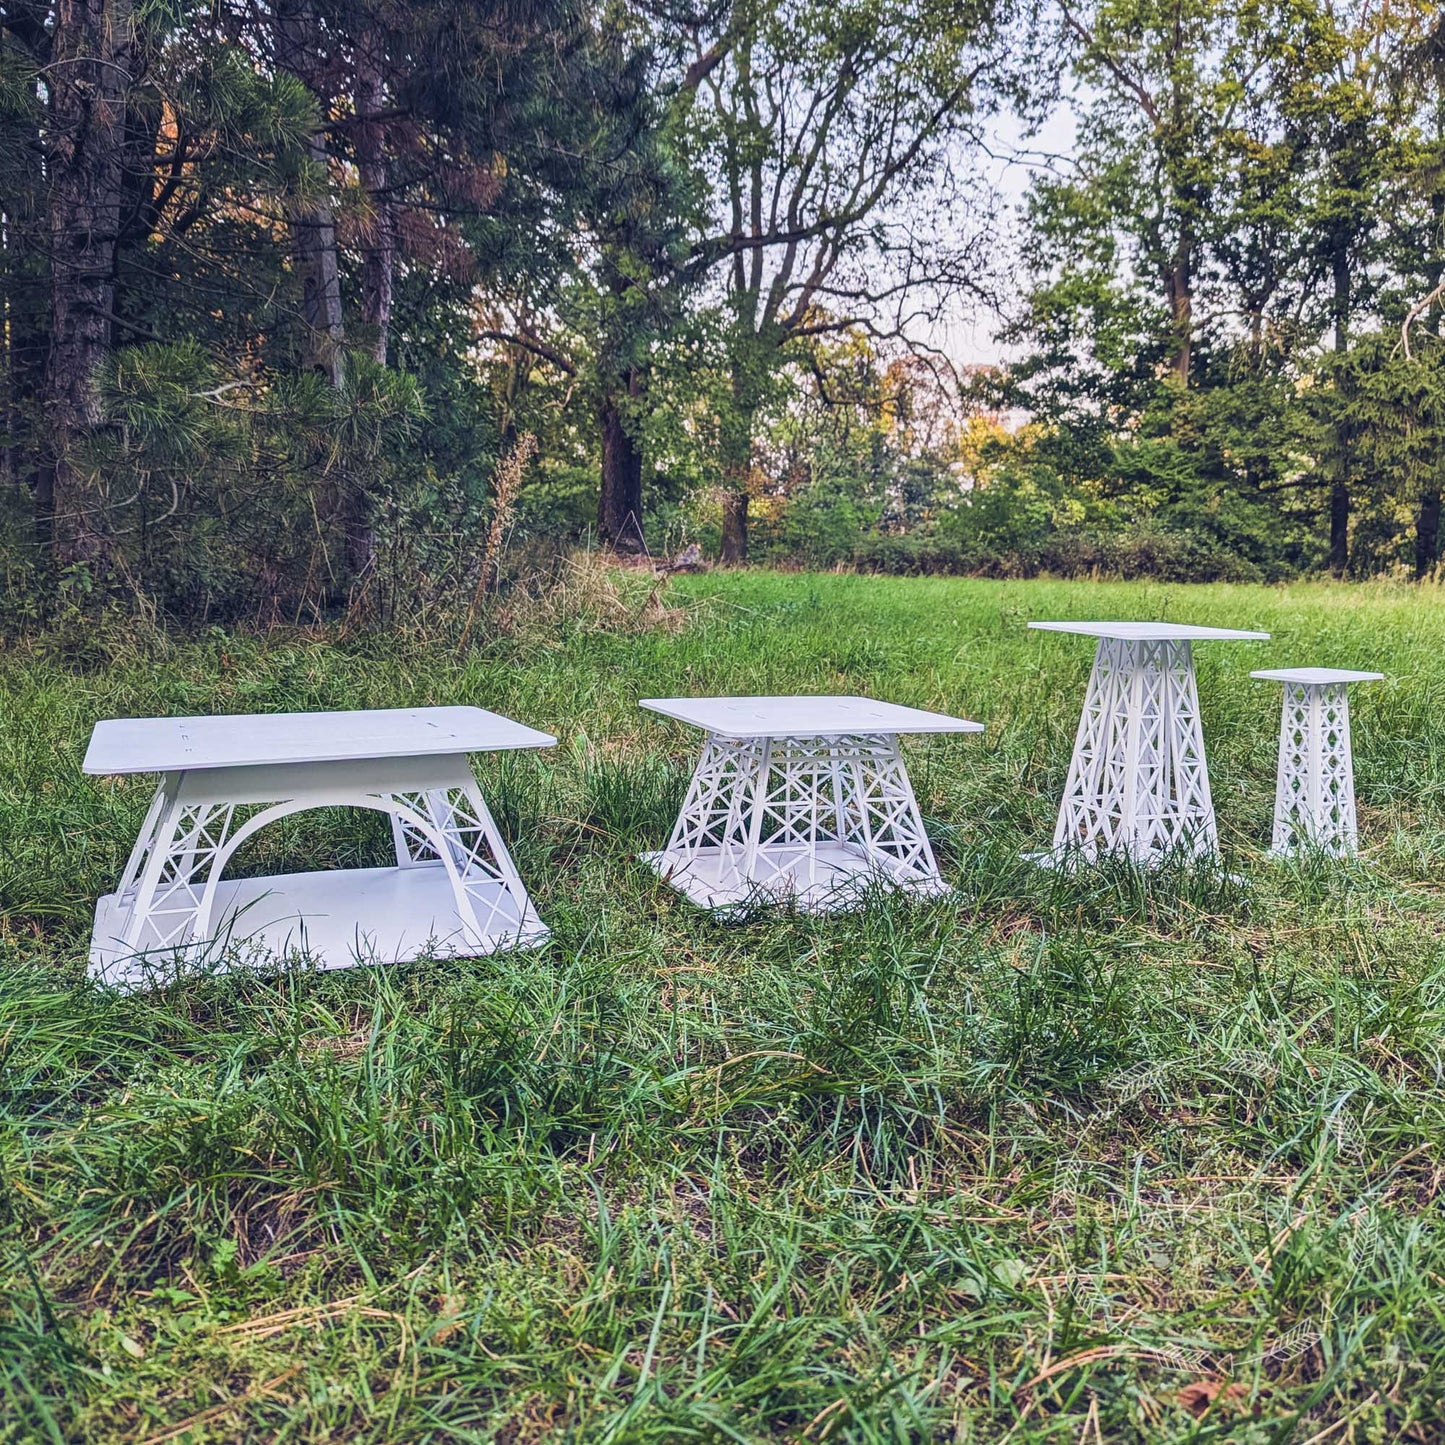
[
  {"x": 1138, "y": 783},
  {"x": 1314, "y": 797},
  {"x": 454, "y": 890},
  {"x": 805, "y": 798}
]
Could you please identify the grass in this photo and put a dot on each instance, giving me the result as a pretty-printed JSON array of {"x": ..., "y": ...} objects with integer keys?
[{"x": 1057, "y": 1158}]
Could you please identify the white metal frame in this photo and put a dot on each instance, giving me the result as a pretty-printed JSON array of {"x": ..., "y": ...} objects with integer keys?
[
  {"x": 1138, "y": 781},
  {"x": 811, "y": 818},
  {"x": 454, "y": 891},
  {"x": 801, "y": 798},
  {"x": 1314, "y": 800}
]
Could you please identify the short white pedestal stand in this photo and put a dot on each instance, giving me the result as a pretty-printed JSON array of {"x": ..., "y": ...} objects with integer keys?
[
  {"x": 802, "y": 798},
  {"x": 1314, "y": 797},
  {"x": 454, "y": 891},
  {"x": 1138, "y": 783}
]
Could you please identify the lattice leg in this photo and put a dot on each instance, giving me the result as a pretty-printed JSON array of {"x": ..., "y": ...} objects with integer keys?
[
  {"x": 473, "y": 820},
  {"x": 486, "y": 882},
  {"x": 1138, "y": 782},
  {"x": 881, "y": 812},
  {"x": 1187, "y": 820},
  {"x": 1314, "y": 804},
  {"x": 794, "y": 809},
  {"x": 166, "y": 895},
  {"x": 412, "y": 849},
  {"x": 1093, "y": 794},
  {"x": 715, "y": 813},
  {"x": 164, "y": 796}
]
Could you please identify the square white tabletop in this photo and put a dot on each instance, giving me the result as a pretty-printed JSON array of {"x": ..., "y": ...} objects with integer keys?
[
  {"x": 1317, "y": 675},
  {"x": 183, "y": 744},
  {"x": 1152, "y": 631},
  {"x": 803, "y": 717}
]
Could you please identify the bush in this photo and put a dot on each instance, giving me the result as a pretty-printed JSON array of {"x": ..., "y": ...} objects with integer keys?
[{"x": 1130, "y": 554}]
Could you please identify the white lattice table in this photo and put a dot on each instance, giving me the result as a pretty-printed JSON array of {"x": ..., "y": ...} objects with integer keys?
[
  {"x": 801, "y": 797},
  {"x": 453, "y": 892},
  {"x": 1314, "y": 797},
  {"x": 1138, "y": 783}
]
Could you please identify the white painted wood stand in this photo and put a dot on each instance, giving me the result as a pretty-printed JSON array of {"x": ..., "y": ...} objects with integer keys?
[
  {"x": 1314, "y": 797},
  {"x": 802, "y": 798},
  {"x": 454, "y": 891},
  {"x": 1138, "y": 782}
]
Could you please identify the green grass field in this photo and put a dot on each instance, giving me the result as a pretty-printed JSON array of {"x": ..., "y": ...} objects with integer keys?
[{"x": 1058, "y": 1158}]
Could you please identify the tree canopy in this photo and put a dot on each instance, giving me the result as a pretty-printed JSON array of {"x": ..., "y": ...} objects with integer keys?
[{"x": 286, "y": 287}]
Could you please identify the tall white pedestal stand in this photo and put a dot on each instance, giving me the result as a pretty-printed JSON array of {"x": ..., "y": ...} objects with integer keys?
[
  {"x": 1314, "y": 797},
  {"x": 1138, "y": 783}
]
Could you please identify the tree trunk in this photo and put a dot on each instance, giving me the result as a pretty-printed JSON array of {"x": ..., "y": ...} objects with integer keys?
[
  {"x": 378, "y": 265},
  {"x": 619, "y": 501},
  {"x": 25, "y": 299},
  {"x": 1427, "y": 517},
  {"x": 145, "y": 119},
  {"x": 1339, "y": 528},
  {"x": 1427, "y": 533},
  {"x": 1340, "y": 490},
  {"x": 343, "y": 505},
  {"x": 1178, "y": 287},
  {"x": 313, "y": 228},
  {"x": 23, "y": 336},
  {"x": 735, "y": 526},
  {"x": 379, "y": 258},
  {"x": 89, "y": 77},
  {"x": 737, "y": 466}
]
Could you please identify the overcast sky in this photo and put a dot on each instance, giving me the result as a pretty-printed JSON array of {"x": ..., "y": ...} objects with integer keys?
[{"x": 967, "y": 336}]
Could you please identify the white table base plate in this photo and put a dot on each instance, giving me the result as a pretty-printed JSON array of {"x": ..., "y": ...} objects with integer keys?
[
  {"x": 332, "y": 919},
  {"x": 834, "y": 878}
]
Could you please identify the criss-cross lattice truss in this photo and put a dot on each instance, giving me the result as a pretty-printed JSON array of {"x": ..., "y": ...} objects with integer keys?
[
  {"x": 1138, "y": 783},
  {"x": 174, "y": 897},
  {"x": 1314, "y": 799},
  {"x": 809, "y": 817}
]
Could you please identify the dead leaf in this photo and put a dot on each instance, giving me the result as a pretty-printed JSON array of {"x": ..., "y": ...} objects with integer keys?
[
  {"x": 1199, "y": 1395},
  {"x": 451, "y": 1317}
]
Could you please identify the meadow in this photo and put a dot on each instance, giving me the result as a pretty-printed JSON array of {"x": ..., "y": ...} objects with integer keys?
[{"x": 1082, "y": 1157}]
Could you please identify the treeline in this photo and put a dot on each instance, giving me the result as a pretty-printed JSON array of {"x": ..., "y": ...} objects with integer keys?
[
  {"x": 1233, "y": 316},
  {"x": 303, "y": 301}
]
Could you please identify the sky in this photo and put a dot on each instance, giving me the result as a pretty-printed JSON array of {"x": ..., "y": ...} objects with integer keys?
[{"x": 967, "y": 334}]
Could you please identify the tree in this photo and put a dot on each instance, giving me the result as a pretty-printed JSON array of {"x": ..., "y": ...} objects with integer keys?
[
  {"x": 1175, "y": 323},
  {"x": 1419, "y": 243},
  {"x": 24, "y": 270},
  {"x": 1151, "y": 62},
  {"x": 92, "y": 60},
  {"x": 639, "y": 202},
  {"x": 1355, "y": 125},
  {"x": 833, "y": 132},
  {"x": 1395, "y": 414},
  {"x": 601, "y": 286}
]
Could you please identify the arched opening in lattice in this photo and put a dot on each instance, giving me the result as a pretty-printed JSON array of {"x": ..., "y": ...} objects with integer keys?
[{"x": 440, "y": 881}]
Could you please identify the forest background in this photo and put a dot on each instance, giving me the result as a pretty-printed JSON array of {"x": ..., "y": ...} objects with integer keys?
[{"x": 314, "y": 306}]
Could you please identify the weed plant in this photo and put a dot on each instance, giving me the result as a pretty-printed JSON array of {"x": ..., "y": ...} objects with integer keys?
[{"x": 1060, "y": 1157}]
